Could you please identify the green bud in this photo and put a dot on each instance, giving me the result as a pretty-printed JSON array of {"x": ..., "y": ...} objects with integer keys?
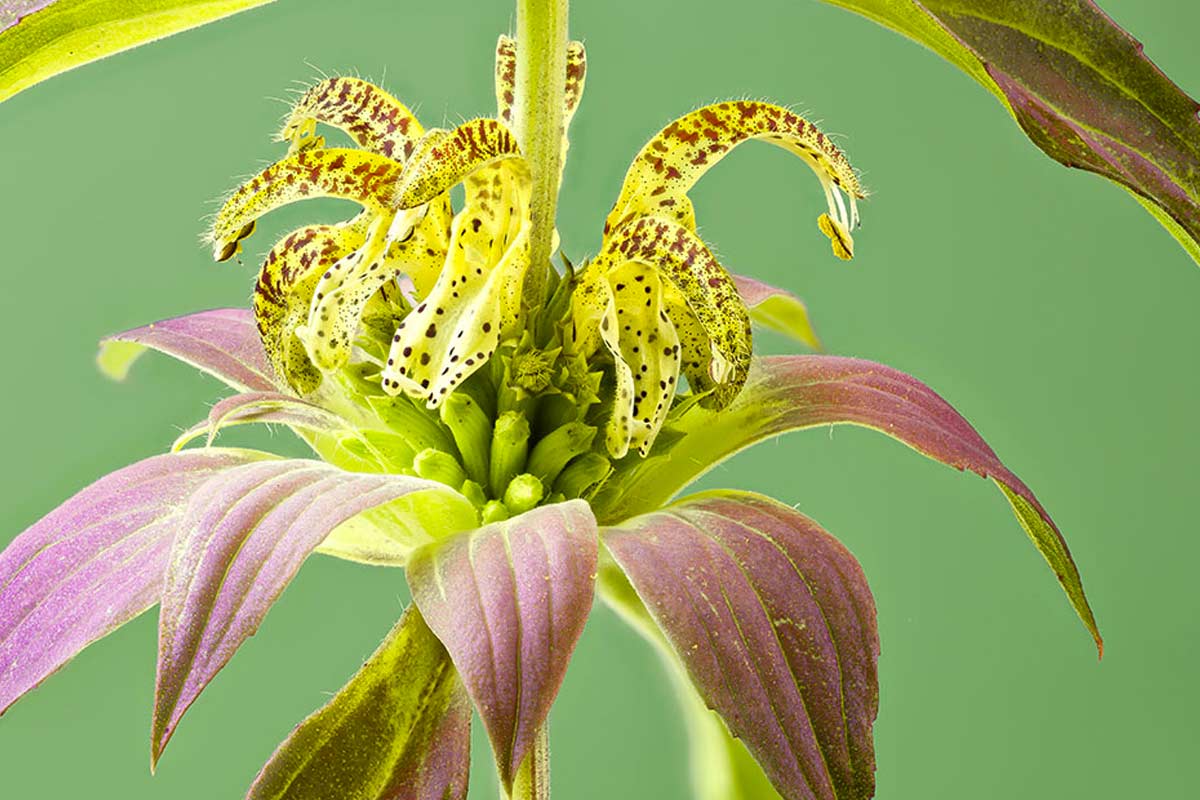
[
  {"x": 523, "y": 493},
  {"x": 494, "y": 511},
  {"x": 583, "y": 475},
  {"x": 472, "y": 432},
  {"x": 510, "y": 447},
  {"x": 435, "y": 465},
  {"x": 414, "y": 424},
  {"x": 552, "y": 453},
  {"x": 474, "y": 492}
]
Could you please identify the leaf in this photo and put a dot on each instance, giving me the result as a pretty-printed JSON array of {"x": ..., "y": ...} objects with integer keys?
[
  {"x": 509, "y": 602},
  {"x": 242, "y": 540},
  {"x": 266, "y": 408},
  {"x": 400, "y": 729},
  {"x": 222, "y": 342},
  {"x": 720, "y": 766},
  {"x": 787, "y": 393},
  {"x": 94, "y": 563},
  {"x": 777, "y": 309},
  {"x": 42, "y": 38},
  {"x": 775, "y": 624},
  {"x": 1080, "y": 87}
]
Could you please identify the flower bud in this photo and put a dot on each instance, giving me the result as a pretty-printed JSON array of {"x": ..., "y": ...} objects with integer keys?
[
  {"x": 472, "y": 432},
  {"x": 523, "y": 493},
  {"x": 583, "y": 475},
  {"x": 510, "y": 447},
  {"x": 552, "y": 453},
  {"x": 435, "y": 465}
]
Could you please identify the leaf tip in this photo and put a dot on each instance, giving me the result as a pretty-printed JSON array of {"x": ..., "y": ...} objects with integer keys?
[{"x": 116, "y": 357}]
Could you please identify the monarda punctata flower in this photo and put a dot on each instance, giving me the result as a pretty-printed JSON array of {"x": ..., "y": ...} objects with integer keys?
[{"x": 511, "y": 434}]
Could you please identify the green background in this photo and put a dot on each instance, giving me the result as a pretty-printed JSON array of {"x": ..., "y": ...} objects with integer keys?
[{"x": 1044, "y": 303}]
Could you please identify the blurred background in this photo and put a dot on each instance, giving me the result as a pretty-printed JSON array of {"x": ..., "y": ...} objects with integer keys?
[{"x": 1044, "y": 303}]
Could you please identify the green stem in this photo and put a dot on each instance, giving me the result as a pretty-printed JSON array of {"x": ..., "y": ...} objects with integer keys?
[
  {"x": 533, "y": 778},
  {"x": 538, "y": 125}
]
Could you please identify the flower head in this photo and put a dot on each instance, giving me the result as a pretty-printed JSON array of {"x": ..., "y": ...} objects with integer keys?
[{"x": 511, "y": 453}]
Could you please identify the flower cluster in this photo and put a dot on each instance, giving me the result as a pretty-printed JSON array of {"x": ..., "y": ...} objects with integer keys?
[{"x": 513, "y": 457}]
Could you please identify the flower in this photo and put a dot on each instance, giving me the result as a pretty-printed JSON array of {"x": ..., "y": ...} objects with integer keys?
[{"x": 457, "y": 426}]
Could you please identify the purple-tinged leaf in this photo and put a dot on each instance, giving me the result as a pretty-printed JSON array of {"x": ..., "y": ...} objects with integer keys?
[
  {"x": 777, "y": 309},
  {"x": 1080, "y": 87},
  {"x": 94, "y": 563},
  {"x": 775, "y": 624},
  {"x": 265, "y": 408},
  {"x": 400, "y": 729},
  {"x": 509, "y": 602},
  {"x": 223, "y": 342},
  {"x": 787, "y": 393},
  {"x": 243, "y": 538}
]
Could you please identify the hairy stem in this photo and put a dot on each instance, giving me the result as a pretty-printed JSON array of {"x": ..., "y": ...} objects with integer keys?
[
  {"x": 538, "y": 125},
  {"x": 533, "y": 778}
]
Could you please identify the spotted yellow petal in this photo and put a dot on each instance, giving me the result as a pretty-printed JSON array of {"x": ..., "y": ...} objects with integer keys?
[
  {"x": 374, "y": 119},
  {"x": 454, "y": 155},
  {"x": 702, "y": 301},
  {"x": 284, "y": 291},
  {"x": 670, "y": 164},
  {"x": 343, "y": 290},
  {"x": 646, "y": 353},
  {"x": 476, "y": 299},
  {"x": 366, "y": 178}
]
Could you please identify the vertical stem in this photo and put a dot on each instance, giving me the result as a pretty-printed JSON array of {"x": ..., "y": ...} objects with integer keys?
[
  {"x": 538, "y": 124},
  {"x": 533, "y": 777}
]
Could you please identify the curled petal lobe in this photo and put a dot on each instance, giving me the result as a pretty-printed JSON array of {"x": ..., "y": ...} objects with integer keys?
[
  {"x": 222, "y": 342},
  {"x": 94, "y": 563},
  {"x": 775, "y": 624},
  {"x": 400, "y": 729},
  {"x": 787, "y": 393},
  {"x": 716, "y": 356},
  {"x": 242, "y": 540},
  {"x": 366, "y": 178},
  {"x": 283, "y": 295},
  {"x": 670, "y": 164},
  {"x": 476, "y": 299},
  {"x": 374, "y": 119},
  {"x": 626, "y": 308},
  {"x": 344, "y": 290},
  {"x": 509, "y": 602}
]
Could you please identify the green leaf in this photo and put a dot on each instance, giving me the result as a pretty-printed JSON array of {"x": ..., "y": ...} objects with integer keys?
[
  {"x": 40, "y": 39},
  {"x": 1079, "y": 86},
  {"x": 400, "y": 728}
]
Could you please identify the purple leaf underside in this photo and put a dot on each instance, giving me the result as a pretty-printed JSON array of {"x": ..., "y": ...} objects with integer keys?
[
  {"x": 788, "y": 393},
  {"x": 774, "y": 621},
  {"x": 243, "y": 538},
  {"x": 223, "y": 342},
  {"x": 94, "y": 563},
  {"x": 509, "y": 602}
]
